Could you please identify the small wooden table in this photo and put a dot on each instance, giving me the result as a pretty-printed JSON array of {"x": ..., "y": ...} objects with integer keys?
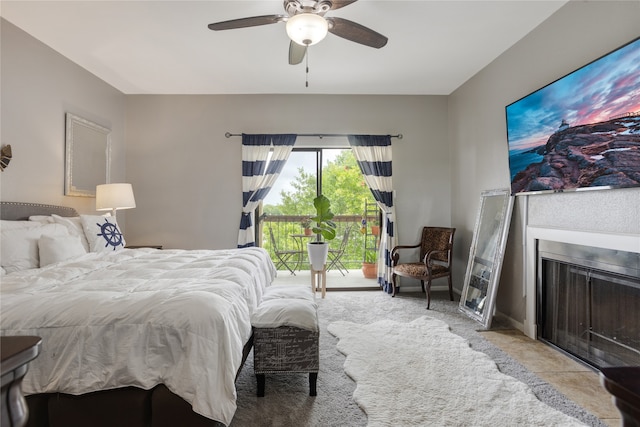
[
  {"x": 319, "y": 280},
  {"x": 15, "y": 355},
  {"x": 624, "y": 384}
]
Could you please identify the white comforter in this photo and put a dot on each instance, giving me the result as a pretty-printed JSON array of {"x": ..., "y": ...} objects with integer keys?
[{"x": 140, "y": 318}]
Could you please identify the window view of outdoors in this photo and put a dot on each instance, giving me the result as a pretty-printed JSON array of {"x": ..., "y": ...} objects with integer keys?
[{"x": 290, "y": 202}]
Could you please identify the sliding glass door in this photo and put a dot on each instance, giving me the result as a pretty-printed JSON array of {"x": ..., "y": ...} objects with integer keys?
[{"x": 309, "y": 172}]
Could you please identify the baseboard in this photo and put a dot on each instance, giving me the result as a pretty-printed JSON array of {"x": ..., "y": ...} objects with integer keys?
[{"x": 507, "y": 320}]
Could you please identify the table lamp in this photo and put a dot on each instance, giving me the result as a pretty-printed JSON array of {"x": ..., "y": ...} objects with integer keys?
[{"x": 114, "y": 197}]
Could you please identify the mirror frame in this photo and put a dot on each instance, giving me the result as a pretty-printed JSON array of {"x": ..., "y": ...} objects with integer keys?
[
  {"x": 82, "y": 133},
  {"x": 490, "y": 264}
]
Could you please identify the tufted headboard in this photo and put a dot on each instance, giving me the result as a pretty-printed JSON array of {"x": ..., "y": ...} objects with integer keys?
[{"x": 19, "y": 211}]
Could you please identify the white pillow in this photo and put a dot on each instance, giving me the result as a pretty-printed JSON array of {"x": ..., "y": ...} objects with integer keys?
[
  {"x": 54, "y": 249},
  {"x": 289, "y": 291},
  {"x": 19, "y": 246},
  {"x": 44, "y": 219},
  {"x": 74, "y": 226},
  {"x": 278, "y": 312},
  {"x": 102, "y": 232}
]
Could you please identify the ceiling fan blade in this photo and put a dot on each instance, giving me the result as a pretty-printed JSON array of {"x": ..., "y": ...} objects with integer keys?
[
  {"x": 296, "y": 53},
  {"x": 356, "y": 33},
  {"x": 253, "y": 21},
  {"x": 337, "y": 4}
]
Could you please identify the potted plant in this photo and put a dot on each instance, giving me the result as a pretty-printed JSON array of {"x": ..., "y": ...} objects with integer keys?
[
  {"x": 306, "y": 225},
  {"x": 370, "y": 265},
  {"x": 375, "y": 228},
  {"x": 325, "y": 229}
]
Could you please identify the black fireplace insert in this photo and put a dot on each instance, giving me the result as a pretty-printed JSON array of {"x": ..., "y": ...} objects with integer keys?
[{"x": 588, "y": 302}]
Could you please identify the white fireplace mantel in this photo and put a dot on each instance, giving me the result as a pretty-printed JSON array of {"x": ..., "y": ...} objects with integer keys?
[{"x": 621, "y": 242}]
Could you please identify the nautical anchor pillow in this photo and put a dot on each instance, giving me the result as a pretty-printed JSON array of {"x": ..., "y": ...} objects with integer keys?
[{"x": 102, "y": 232}]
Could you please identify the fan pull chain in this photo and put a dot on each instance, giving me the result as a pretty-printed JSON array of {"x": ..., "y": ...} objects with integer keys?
[{"x": 306, "y": 58}]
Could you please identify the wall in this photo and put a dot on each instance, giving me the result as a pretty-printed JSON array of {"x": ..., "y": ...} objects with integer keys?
[
  {"x": 574, "y": 36},
  {"x": 38, "y": 87},
  {"x": 187, "y": 177}
]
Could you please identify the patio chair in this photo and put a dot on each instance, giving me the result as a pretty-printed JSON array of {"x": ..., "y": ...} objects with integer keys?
[
  {"x": 284, "y": 257},
  {"x": 436, "y": 256},
  {"x": 335, "y": 255}
]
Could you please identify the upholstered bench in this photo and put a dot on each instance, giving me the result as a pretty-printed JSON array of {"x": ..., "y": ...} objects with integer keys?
[{"x": 286, "y": 334}]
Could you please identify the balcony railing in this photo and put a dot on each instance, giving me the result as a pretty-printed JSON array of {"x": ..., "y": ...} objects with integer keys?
[{"x": 288, "y": 228}]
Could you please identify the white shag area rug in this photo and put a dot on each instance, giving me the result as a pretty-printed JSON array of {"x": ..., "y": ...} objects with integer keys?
[{"x": 421, "y": 374}]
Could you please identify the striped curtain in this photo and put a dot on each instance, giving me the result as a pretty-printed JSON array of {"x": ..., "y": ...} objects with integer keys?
[
  {"x": 263, "y": 157},
  {"x": 373, "y": 153}
]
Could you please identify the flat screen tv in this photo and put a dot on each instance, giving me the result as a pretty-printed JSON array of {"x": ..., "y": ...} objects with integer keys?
[{"x": 580, "y": 132}]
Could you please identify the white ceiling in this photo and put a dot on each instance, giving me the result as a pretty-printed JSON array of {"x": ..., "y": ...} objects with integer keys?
[{"x": 165, "y": 47}]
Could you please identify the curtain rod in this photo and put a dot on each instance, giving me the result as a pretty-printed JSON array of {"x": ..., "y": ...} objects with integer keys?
[{"x": 319, "y": 135}]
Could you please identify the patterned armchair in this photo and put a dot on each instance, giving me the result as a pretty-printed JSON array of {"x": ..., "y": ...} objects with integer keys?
[{"x": 436, "y": 256}]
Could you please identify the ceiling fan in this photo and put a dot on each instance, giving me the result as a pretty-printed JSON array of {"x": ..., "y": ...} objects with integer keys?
[{"x": 307, "y": 25}]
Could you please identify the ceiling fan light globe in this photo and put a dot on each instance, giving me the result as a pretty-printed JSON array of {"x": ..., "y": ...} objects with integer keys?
[{"x": 307, "y": 29}]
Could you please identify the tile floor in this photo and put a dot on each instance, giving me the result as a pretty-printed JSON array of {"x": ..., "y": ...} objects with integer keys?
[{"x": 575, "y": 380}]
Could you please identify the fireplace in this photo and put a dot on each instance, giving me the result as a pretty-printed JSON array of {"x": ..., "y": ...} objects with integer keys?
[{"x": 588, "y": 302}]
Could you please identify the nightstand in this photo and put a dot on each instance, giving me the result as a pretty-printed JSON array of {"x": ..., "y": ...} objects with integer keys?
[{"x": 15, "y": 355}]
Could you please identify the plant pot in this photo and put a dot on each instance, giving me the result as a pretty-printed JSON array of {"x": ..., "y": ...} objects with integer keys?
[
  {"x": 370, "y": 270},
  {"x": 308, "y": 232},
  {"x": 317, "y": 254},
  {"x": 375, "y": 230}
]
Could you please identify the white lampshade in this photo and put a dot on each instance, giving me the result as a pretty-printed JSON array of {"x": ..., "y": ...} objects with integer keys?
[
  {"x": 114, "y": 197},
  {"x": 307, "y": 29}
]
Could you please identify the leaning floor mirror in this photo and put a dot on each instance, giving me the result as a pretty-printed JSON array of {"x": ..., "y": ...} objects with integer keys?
[{"x": 486, "y": 255}]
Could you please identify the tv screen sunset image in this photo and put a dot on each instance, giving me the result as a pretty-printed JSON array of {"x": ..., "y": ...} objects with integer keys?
[{"x": 580, "y": 131}]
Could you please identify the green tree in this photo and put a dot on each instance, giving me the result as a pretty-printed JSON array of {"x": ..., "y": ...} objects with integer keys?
[
  {"x": 300, "y": 200},
  {"x": 272, "y": 210},
  {"x": 343, "y": 184}
]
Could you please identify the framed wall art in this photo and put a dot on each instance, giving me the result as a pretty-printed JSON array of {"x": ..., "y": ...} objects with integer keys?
[{"x": 88, "y": 156}]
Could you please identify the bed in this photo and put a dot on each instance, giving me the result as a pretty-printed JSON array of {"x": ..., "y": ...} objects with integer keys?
[{"x": 138, "y": 337}]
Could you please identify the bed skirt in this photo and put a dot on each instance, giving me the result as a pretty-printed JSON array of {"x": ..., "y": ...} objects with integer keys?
[{"x": 124, "y": 407}]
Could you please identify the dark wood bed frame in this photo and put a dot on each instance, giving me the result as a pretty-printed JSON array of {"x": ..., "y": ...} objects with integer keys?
[{"x": 122, "y": 407}]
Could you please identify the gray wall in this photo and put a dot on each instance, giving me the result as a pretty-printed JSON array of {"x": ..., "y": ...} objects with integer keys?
[
  {"x": 574, "y": 36},
  {"x": 38, "y": 87},
  {"x": 187, "y": 176}
]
